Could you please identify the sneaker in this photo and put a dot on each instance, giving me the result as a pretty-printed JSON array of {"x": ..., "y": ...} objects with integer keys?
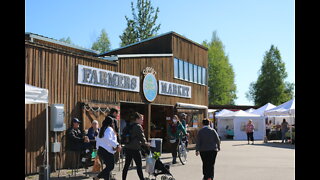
[{"x": 174, "y": 162}]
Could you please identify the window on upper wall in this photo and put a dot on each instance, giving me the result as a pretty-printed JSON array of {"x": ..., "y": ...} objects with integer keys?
[
  {"x": 186, "y": 71},
  {"x": 204, "y": 76},
  {"x": 199, "y": 75},
  {"x": 181, "y": 72},
  {"x": 190, "y": 72},
  {"x": 176, "y": 68},
  {"x": 195, "y": 73}
]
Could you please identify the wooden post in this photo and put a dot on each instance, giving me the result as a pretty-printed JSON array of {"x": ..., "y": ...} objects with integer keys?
[{"x": 149, "y": 121}]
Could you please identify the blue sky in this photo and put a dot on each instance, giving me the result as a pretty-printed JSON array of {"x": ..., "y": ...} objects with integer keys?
[{"x": 247, "y": 28}]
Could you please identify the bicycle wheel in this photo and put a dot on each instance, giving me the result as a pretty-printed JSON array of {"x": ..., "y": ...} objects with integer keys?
[{"x": 182, "y": 153}]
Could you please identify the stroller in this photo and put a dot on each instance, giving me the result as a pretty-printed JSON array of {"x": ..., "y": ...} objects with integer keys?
[{"x": 159, "y": 169}]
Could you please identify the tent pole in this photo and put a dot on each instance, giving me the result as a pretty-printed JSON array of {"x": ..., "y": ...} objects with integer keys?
[{"x": 47, "y": 141}]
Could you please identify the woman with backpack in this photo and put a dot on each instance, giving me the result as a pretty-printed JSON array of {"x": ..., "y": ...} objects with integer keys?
[
  {"x": 107, "y": 145},
  {"x": 174, "y": 131},
  {"x": 134, "y": 144}
]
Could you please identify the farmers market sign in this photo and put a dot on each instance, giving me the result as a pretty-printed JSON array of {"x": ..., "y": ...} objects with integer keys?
[
  {"x": 174, "y": 89},
  {"x": 108, "y": 79}
]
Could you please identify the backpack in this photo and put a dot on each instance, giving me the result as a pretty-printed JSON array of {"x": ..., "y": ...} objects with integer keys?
[{"x": 126, "y": 134}]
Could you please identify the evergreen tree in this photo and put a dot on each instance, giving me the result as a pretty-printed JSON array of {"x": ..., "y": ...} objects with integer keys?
[
  {"x": 102, "y": 44},
  {"x": 270, "y": 85},
  {"x": 143, "y": 25},
  {"x": 222, "y": 89}
]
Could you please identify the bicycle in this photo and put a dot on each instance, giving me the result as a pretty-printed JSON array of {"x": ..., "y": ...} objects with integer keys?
[{"x": 182, "y": 150}]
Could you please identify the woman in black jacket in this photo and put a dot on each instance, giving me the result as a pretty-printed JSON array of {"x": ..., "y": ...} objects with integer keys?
[{"x": 137, "y": 141}]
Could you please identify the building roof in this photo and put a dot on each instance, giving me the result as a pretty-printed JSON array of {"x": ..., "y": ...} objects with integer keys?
[
  {"x": 51, "y": 40},
  {"x": 145, "y": 41}
]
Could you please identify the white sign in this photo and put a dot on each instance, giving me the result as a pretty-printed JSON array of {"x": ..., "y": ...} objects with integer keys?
[
  {"x": 174, "y": 89},
  {"x": 108, "y": 79}
]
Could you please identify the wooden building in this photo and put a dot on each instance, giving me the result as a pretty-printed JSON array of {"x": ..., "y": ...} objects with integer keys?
[{"x": 158, "y": 77}]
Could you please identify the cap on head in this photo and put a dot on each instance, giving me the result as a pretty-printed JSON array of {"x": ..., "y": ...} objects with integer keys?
[{"x": 76, "y": 120}]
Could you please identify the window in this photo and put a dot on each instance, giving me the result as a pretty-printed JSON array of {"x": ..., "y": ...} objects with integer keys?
[
  {"x": 190, "y": 72},
  {"x": 181, "y": 69},
  {"x": 186, "y": 71},
  {"x": 199, "y": 75},
  {"x": 195, "y": 73},
  {"x": 176, "y": 68},
  {"x": 204, "y": 76}
]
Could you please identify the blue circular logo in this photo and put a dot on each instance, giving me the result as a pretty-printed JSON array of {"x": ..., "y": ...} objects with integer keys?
[{"x": 150, "y": 87}]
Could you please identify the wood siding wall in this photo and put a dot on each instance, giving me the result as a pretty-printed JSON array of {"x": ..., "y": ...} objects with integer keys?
[
  {"x": 164, "y": 68},
  {"x": 56, "y": 70}
]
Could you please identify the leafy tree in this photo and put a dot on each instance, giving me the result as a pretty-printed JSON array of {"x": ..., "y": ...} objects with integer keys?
[
  {"x": 102, "y": 44},
  {"x": 222, "y": 89},
  {"x": 270, "y": 85},
  {"x": 143, "y": 25},
  {"x": 66, "y": 40}
]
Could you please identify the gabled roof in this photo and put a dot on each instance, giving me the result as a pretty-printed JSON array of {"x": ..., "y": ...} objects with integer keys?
[{"x": 145, "y": 42}]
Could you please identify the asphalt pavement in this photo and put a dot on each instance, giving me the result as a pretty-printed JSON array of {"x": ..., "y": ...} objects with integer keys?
[{"x": 237, "y": 160}]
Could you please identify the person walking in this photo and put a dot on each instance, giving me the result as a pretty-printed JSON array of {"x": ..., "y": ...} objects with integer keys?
[
  {"x": 249, "y": 131},
  {"x": 134, "y": 146},
  {"x": 208, "y": 145},
  {"x": 107, "y": 145},
  {"x": 174, "y": 131},
  {"x": 284, "y": 130}
]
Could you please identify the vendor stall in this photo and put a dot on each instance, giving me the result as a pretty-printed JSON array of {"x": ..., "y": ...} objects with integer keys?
[
  {"x": 237, "y": 121},
  {"x": 283, "y": 111}
]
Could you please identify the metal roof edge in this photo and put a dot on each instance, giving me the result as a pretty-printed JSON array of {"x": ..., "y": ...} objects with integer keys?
[
  {"x": 129, "y": 45},
  {"x": 40, "y": 37}
]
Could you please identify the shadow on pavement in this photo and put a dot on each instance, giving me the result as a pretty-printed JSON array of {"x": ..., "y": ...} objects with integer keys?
[
  {"x": 277, "y": 145},
  {"x": 72, "y": 177}
]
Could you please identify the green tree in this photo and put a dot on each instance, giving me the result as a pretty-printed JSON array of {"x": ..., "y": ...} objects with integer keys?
[
  {"x": 66, "y": 40},
  {"x": 143, "y": 25},
  {"x": 222, "y": 89},
  {"x": 102, "y": 44},
  {"x": 270, "y": 85}
]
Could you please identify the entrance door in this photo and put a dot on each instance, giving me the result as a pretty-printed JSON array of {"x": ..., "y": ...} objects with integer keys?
[{"x": 127, "y": 108}]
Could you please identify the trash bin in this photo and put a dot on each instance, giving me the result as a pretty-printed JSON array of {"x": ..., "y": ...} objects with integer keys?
[{"x": 156, "y": 144}]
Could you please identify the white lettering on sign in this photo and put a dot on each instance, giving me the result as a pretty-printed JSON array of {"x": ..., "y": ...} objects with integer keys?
[
  {"x": 174, "y": 89},
  {"x": 108, "y": 79}
]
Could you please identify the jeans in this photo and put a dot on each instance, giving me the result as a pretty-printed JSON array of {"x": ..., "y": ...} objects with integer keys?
[
  {"x": 108, "y": 159},
  {"x": 208, "y": 160},
  {"x": 136, "y": 156}
]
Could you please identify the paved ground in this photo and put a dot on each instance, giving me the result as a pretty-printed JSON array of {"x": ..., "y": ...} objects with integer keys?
[{"x": 236, "y": 161}]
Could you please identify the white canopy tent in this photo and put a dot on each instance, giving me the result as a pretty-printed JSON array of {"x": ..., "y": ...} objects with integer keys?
[
  {"x": 237, "y": 121},
  {"x": 222, "y": 112},
  {"x": 260, "y": 111},
  {"x": 36, "y": 95},
  {"x": 287, "y": 108},
  {"x": 250, "y": 110}
]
